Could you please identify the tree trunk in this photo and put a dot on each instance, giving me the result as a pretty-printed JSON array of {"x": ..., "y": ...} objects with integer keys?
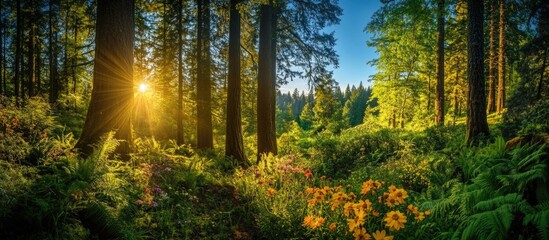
[
  {"x": 2, "y": 86},
  {"x": 439, "y": 103},
  {"x": 266, "y": 127},
  {"x": 501, "y": 59},
  {"x": 543, "y": 66},
  {"x": 429, "y": 93},
  {"x": 54, "y": 79},
  {"x": 477, "y": 124},
  {"x": 234, "y": 146},
  {"x": 180, "y": 136},
  {"x": 203, "y": 88},
  {"x": 31, "y": 51},
  {"x": 491, "y": 62},
  {"x": 17, "y": 64},
  {"x": 75, "y": 61},
  {"x": 112, "y": 95}
]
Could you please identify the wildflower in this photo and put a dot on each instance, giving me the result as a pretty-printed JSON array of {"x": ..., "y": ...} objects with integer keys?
[
  {"x": 308, "y": 173},
  {"x": 312, "y": 221},
  {"x": 391, "y": 202},
  {"x": 428, "y": 212},
  {"x": 167, "y": 169},
  {"x": 399, "y": 195},
  {"x": 375, "y": 213},
  {"x": 154, "y": 204},
  {"x": 138, "y": 201},
  {"x": 419, "y": 217},
  {"x": 332, "y": 227},
  {"x": 157, "y": 190},
  {"x": 308, "y": 220},
  {"x": 360, "y": 234},
  {"x": 348, "y": 208},
  {"x": 395, "y": 220},
  {"x": 367, "y": 187},
  {"x": 364, "y": 204},
  {"x": 271, "y": 192},
  {"x": 322, "y": 177},
  {"x": 412, "y": 209},
  {"x": 381, "y": 235},
  {"x": 309, "y": 190},
  {"x": 354, "y": 223},
  {"x": 338, "y": 198}
]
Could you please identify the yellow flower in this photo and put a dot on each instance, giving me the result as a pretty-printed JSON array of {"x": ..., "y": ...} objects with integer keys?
[
  {"x": 354, "y": 223},
  {"x": 364, "y": 204},
  {"x": 348, "y": 208},
  {"x": 391, "y": 202},
  {"x": 420, "y": 216},
  {"x": 360, "y": 234},
  {"x": 428, "y": 212},
  {"x": 312, "y": 221},
  {"x": 366, "y": 187},
  {"x": 309, "y": 190},
  {"x": 399, "y": 195},
  {"x": 360, "y": 213},
  {"x": 271, "y": 192},
  {"x": 381, "y": 235},
  {"x": 395, "y": 220}
]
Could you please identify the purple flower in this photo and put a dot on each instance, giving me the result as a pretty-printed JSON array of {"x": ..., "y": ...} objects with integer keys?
[
  {"x": 154, "y": 204},
  {"x": 167, "y": 169},
  {"x": 157, "y": 190}
]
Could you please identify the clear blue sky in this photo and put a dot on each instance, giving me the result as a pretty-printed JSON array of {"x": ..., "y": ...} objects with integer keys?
[{"x": 351, "y": 45}]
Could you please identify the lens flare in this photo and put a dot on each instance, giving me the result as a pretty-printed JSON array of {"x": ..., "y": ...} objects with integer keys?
[{"x": 143, "y": 87}]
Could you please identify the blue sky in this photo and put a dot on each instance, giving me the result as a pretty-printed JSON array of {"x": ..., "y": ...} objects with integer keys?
[{"x": 351, "y": 45}]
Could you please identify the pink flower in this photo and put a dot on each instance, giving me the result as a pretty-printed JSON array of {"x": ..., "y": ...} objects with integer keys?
[
  {"x": 138, "y": 201},
  {"x": 154, "y": 204},
  {"x": 308, "y": 173}
]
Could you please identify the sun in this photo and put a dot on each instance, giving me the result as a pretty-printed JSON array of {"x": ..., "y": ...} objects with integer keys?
[{"x": 143, "y": 87}]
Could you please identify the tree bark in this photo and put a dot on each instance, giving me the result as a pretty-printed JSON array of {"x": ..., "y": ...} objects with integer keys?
[
  {"x": 54, "y": 79},
  {"x": 180, "y": 136},
  {"x": 491, "y": 61},
  {"x": 501, "y": 59},
  {"x": 31, "y": 51},
  {"x": 266, "y": 127},
  {"x": 543, "y": 66},
  {"x": 439, "y": 103},
  {"x": 2, "y": 27},
  {"x": 234, "y": 146},
  {"x": 203, "y": 88},
  {"x": 477, "y": 124},
  {"x": 17, "y": 64},
  {"x": 112, "y": 95}
]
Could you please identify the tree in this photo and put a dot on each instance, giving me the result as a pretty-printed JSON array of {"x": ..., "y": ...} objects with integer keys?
[
  {"x": 180, "y": 136},
  {"x": 234, "y": 146},
  {"x": 439, "y": 103},
  {"x": 112, "y": 95},
  {"x": 17, "y": 66},
  {"x": 501, "y": 58},
  {"x": 477, "y": 124},
  {"x": 266, "y": 82},
  {"x": 203, "y": 88},
  {"x": 491, "y": 61},
  {"x": 52, "y": 53}
]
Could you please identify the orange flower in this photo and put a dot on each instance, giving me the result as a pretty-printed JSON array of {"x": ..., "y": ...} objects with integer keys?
[
  {"x": 348, "y": 208},
  {"x": 271, "y": 192},
  {"x": 428, "y": 212},
  {"x": 367, "y": 187},
  {"x": 332, "y": 227}
]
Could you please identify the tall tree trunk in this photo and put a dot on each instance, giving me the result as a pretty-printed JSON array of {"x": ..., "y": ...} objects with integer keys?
[
  {"x": 31, "y": 51},
  {"x": 477, "y": 124},
  {"x": 266, "y": 127},
  {"x": 204, "y": 85},
  {"x": 439, "y": 103},
  {"x": 501, "y": 59},
  {"x": 2, "y": 27},
  {"x": 429, "y": 93},
  {"x": 234, "y": 146},
  {"x": 180, "y": 136},
  {"x": 54, "y": 79},
  {"x": 112, "y": 95},
  {"x": 543, "y": 66},
  {"x": 17, "y": 64},
  {"x": 491, "y": 61},
  {"x": 75, "y": 61}
]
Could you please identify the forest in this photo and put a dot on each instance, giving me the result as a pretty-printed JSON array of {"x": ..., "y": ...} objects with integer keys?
[{"x": 169, "y": 119}]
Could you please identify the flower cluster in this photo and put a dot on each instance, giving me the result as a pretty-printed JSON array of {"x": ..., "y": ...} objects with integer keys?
[
  {"x": 312, "y": 221},
  {"x": 368, "y": 214}
]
